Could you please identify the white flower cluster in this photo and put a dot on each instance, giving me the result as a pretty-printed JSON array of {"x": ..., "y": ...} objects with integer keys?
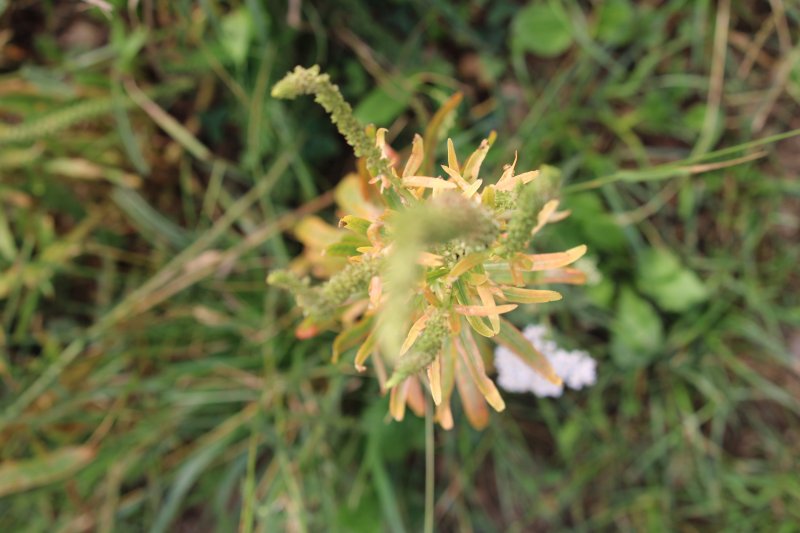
[{"x": 575, "y": 367}]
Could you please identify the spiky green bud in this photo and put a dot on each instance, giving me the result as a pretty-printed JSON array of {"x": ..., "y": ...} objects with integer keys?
[
  {"x": 323, "y": 301},
  {"x": 309, "y": 81},
  {"x": 425, "y": 348},
  {"x": 530, "y": 200}
]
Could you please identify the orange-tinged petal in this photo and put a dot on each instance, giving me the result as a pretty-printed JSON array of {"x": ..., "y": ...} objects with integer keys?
[
  {"x": 473, "y": 165},
  {"x": 470, "y": 191},
  {"x": 375, "y": 291},
  {"x": 430, "y": 260},
  {"x": 514, "y": 340},
  {"x": 414, "y": 332},
  {"x": 545, "y": 215},
  {"x": 397, "y": 400},
  {"x": 416, "y": 398},
  {"x": 529, "y": 296},
  {"x": 307, "y": 330},
  {"x": 314, "y": 232},
  {"x": 463, "y": 297},
  {"x": 364, "y": 351},
  {"x": 471, "y": 398},
  {"x": 467, "y": 263},
  {"x": 469, "y": 352},
  {"x": 487, "y": 298},
  {"x": 455, "y": 176},
  {"x": 571, "y": 276},
  {"x": 444, "y": 416},
  {"x": 452, "y": 160},
  {"x": 510, "y": 182},
  {"x": 435, "y": 380},
  {"x": 351, "y": 199},
  {"x": 556, "y": 260},
  {"x": 482, "y": 310},
  {"x": 380, "y": 372}
]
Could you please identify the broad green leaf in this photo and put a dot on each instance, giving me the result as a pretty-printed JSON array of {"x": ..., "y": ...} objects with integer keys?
[
  {"x": 672, "y": 286},
  {"x": 616, "y": 22},
  {"x": 18, "y": 476},
  {"x": 382, "y": 105},
  {"x": 541, "y": 28},
  {"x": 237, "y": 31},
  {"x": 637, "y": 333}
]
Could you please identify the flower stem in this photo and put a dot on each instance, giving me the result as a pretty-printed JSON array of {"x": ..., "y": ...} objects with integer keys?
[{"x": 429, "y": 466}]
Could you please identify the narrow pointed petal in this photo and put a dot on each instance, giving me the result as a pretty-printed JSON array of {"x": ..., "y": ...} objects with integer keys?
[
  {"x": 452, "y": 160},
  {"x": 416, "y": 397},
  {"x": 556, "y": 260},
  {"x": 487, "y": 298},
  {"x": 364, "y": 351},
  {"x": 413, "y": 333},
  {"x": 469, "y": 352},
  {"x": 544, "y": 215},
  {"x": 514, "y": 340},
  {"x": 467, "y": 263},
  {"x": 529, "y": 296},
  {"x": 456, "y": 178},
  {"x": 473, "y": 165},
  {"x": 397, "y": 400},
  {"x": 470, "y": 191},
  {"x": 482, "y": 310},
  {"x": 474, "y": 404},
  {"x": 435, "y": 380},
  {"x": 375, "y": 292},
  {"x": 416, "y": 157}
]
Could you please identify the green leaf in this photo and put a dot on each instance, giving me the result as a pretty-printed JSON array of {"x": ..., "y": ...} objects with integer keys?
[
  {"x": 637, "y": 334},
  {"x": 616, "y": 21},
  {"x": 18, "y": 476},
  {"x": 542, "y": 29},
  {"x": 672, "y": 286},
  {"x": 237, "y": 31},
  {"x": 356, "y": 224},
  {"x": 347, "y": 246},
  {"x": 593, "y": 224},
  {"x": 381, "y": 106}
]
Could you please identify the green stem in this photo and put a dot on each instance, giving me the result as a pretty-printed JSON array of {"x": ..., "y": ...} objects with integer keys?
[{"x": 429, "y": 466}]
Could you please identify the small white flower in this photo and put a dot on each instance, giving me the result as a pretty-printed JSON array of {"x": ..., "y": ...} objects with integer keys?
[{"x": 575, "y": 367}]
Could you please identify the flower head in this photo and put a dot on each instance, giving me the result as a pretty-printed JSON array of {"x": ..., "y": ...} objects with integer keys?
[{"x": 429, "y": 264}]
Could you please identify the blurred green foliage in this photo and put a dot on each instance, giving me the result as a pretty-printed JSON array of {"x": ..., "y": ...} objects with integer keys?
[{"x": 151, "y": 381}]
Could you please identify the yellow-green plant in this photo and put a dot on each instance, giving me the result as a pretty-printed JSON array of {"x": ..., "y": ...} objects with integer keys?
[{"x": 420, "y": 264}]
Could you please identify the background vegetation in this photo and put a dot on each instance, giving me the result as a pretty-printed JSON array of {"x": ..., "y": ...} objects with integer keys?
[{"x": 151, "y": 381}]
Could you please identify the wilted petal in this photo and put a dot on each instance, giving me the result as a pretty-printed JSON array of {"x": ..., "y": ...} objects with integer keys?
[
  {"x": 397, "y": 399},
  {"x": 472, "y": 357},
  {"x": 471, "y": 398}
]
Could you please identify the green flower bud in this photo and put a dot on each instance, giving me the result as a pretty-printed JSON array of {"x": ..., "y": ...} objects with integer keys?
[
  {"x": 530, "y": 200},
  {"x": 309, "y": 81},
  {"x": 425, "y": 349}
]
